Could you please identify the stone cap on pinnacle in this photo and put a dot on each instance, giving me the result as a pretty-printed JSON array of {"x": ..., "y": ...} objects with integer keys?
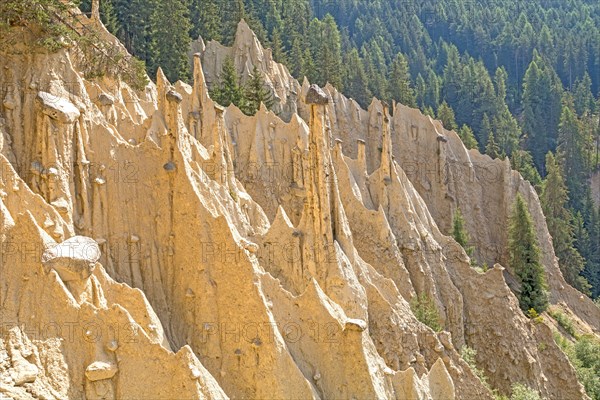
[{"x": 316, "y": 95}]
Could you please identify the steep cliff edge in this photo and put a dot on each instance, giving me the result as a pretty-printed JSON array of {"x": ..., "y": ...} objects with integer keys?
[{"x": 257, "y": 258}]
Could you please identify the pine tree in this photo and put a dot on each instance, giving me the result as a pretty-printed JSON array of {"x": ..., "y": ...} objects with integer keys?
[
  {"x": 234, "y": 11},
  {"x": 429, "y": 112},
  {"x": 421, "y": 93},
  {"x": 136, "y": 17},
  {"x": 459, "y": 232},
  {"x": 573, "y": 154},
  {"x": 376, "y": 69},
  {"x": 446, "y": 115},
  {"x": 559, "y": 219},
  {"x": 485, "y": 132},
  {"x": 277, "y": 47},
  {"x": 400, "y": 87},
  {"x": 583, "y": 98},
  {"x": 500, "y": 78},
  {"x": 308, "y": 66},
  {"x": 525, "y": 262},
  {"x": 296, "y": 59},
  {"x": 329, "y": 54},
  {"x": 108, "y": 15},
  {"x": 171, "y": 42},
  {"x": 356, "y": 79},
  {"x": 588, "y": 243},
  {"x": 506, "y": 131},
  {"x": 522, "y": 161},
  {"x": 206, "y": 20},
  {"x": 432, "y": 93},
  {"x": 295, "y": 16},
  {"x": 466, "y": 135},
  {"x": 541, "y": 109},
  {"x": 229, "y": 90},
  {"x": 256, "y": 93},
  {"x": 491, "y": 148}
]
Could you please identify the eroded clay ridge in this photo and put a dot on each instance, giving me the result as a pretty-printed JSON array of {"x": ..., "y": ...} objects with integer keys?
[{"x": 156, "y": 245}]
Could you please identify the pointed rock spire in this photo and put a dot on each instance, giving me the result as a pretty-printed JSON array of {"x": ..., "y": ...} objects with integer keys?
[
  {"x": 197, "y": 118},
  {"x": 386, "y": 147},
  {"x": 318, "y": 169}
]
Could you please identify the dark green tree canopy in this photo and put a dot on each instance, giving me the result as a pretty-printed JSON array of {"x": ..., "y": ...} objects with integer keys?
[
  {"x": 554, "y": 199},
  {"x": 525, "y": 259}
]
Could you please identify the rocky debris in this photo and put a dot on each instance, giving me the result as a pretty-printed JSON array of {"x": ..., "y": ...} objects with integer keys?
[
  {"x": 58, "y": 108},
  {"x": 22, "y": 371}
]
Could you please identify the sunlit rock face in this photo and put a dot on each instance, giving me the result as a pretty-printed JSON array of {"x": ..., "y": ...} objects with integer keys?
[{"x": 157, "y": 245}]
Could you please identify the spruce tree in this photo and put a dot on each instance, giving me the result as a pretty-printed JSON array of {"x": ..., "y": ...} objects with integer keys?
[
  {"x": 256, "y": 93},
  {"x": 329, "y": 53},
  {"x": 229, "y": 90},
  {"x": 376, "y": 69},
  {"x": 400, "y": 87},
  {"x": 491, "y": 148},
  {"x": 522, "y": 161},
  {"x": 171, "y": 42},
  {"x": 507, "y": 131},
  {"x": 233, "y": 11},
  {"x": 429, "y": 112},
  {"x": 421, "y": 93},
  {"x": 524, "y": 259},
  {"x": 467, "y": 137},
  {"x": 588, "y": 242},
  {"x": 277, "y": 47},
  {"x": 296, "y": 59},
  {"x": 308, "y": 69},
  {"x": 485, "y": 132},
  {"x": 136, "y": 17},
  {"x": 574, "y": 145},
  {"x": 206, "y": 20},
  {"x": 356, "y": 79},
  {"x": 541, "y": 109},
  {"x": 559, "y": 219},
  {"x": 446, "y": 115},
  {"x": 459, "y": 232},
  {"x": 584, "y": 99},
  {"x": 500, "y": 78},
  {"x": 432, "y": 93}
]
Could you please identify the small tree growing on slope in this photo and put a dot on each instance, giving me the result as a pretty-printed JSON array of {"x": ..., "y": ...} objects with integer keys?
[
  {"x": 229, "y": 89},
  {"x": 554, "y": 200},
  {"x": 525, "y": 259},
  {"x": 256, "y": 93},
  {"x": 459, "y": 232}
]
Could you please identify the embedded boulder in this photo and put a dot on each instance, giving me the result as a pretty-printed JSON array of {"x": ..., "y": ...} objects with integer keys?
[
  {"x": 73, "y": 259},
  {"x": 100, "y": 370},
  {"x": 316, "y": 95},
  {"x": 58, "y": 108}
]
